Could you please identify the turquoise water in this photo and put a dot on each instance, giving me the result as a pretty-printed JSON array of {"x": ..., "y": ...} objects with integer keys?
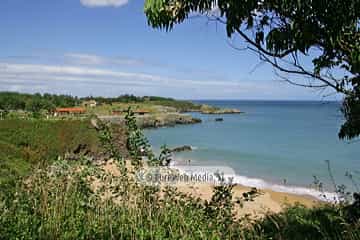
[{"x": 272, "y": 141}]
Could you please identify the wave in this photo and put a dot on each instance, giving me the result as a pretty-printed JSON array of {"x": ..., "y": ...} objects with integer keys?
[
  {"x": 193, "y": 148},
  {"x": 259, "y": 183},
  {"x": 262, "y": 184}
]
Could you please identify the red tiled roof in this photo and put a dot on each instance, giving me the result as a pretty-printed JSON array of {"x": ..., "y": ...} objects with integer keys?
[
  {"x": 70, "y": 110},
  {"x": 141, "y": 111}
]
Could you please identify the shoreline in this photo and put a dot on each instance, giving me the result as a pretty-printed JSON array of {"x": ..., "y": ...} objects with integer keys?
[
  {"x": 268, "y": 201},
  {"x": 261, "y": 184}
]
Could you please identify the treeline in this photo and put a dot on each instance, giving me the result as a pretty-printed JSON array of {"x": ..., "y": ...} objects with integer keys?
[
  {"x": 126, "y": 98},
  {"x": 35, "y": 102}
]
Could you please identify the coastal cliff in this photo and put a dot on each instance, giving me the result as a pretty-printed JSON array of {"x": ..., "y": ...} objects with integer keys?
[
  {"x": 156, "y": 120},
  {"x": 207, "y": 109}
]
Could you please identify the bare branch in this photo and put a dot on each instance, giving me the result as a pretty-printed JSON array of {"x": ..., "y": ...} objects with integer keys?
[
  {"x": 299, "y": 84},
  {"x": 296, "y": 68}
]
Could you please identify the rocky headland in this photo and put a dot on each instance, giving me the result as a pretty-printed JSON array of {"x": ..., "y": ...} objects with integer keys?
[
  {"x": 206, "y": 109},
  {"x": 156, "y": 120}
]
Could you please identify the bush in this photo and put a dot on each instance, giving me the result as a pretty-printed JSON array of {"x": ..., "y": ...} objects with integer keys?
[{"x": 299, "y": 222}]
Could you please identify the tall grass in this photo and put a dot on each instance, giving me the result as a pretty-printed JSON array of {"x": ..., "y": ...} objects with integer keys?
[{"x": 60, "y": 202}]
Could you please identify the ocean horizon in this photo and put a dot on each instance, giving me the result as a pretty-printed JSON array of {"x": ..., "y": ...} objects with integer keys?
[{"x": 275, "y": 144}]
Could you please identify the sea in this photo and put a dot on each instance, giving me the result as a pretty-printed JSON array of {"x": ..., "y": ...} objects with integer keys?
[{"x": 284, "y": 146}]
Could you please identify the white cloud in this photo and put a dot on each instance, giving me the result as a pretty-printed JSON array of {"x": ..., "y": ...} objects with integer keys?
[
  {"x": 75, "y": 73},
  {"x": 91, "y": 59},
  {"x": 104, "y": 3},
  {"x": 82, "y": 81},
  {"x": 85, "y": 59}
]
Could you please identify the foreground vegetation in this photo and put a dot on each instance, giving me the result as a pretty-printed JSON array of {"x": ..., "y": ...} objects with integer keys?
[
  {"x": 60, "y": 203},
  {"x": 61, "y": 200}
]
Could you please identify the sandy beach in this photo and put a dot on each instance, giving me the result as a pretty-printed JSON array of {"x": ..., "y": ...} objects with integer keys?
[{"x": 267, "y": 201}]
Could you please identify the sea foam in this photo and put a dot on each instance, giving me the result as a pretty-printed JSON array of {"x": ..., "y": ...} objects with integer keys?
[{"x": 262, "y": 184}]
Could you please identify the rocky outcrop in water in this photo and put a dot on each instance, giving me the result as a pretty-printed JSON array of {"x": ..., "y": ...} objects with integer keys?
[
  {"x": 206, "y": 109},
  {"x": 181, "y": 149},
  {"x": 221, "y": 111},
  {"x": 156, "y": 120},
  {"x": 166, "y": 120}
]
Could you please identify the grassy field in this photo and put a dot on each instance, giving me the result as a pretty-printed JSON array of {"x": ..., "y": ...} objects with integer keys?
[
  {"x": 107, "y": 109},
  {"x": 28, "y": 143}
]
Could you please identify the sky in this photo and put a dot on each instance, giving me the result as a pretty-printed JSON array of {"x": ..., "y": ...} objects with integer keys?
[{"x": 106, "y": 48}]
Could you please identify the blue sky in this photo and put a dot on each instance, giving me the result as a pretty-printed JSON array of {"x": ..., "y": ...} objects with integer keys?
[{"x": 105, "y": 47}]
